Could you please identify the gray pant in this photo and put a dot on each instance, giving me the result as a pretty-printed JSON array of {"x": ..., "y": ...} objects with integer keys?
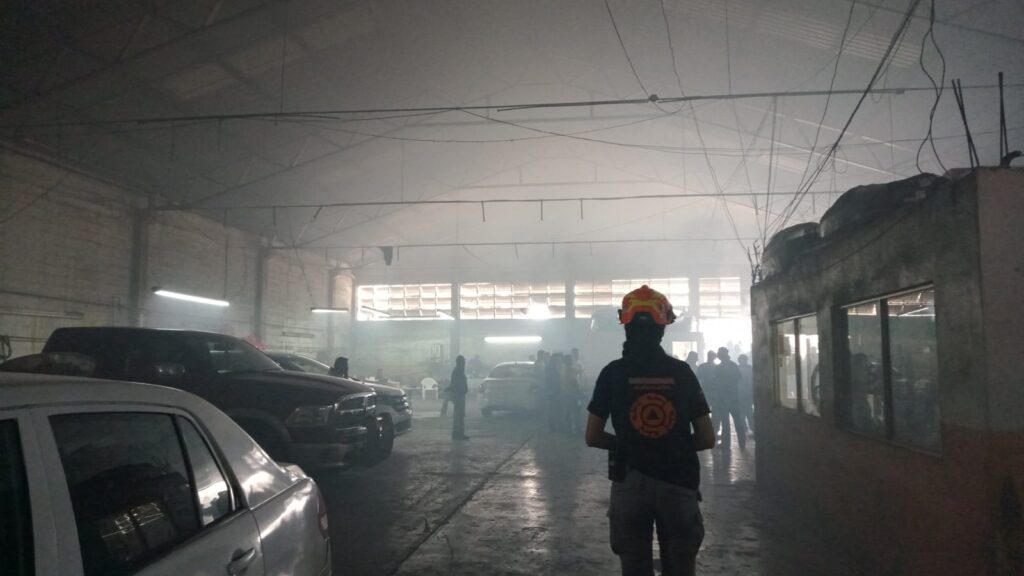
[{"x": 638, "y": 505}]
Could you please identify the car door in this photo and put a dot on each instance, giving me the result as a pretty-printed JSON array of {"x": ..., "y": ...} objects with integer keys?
[{"x": 147, "y": 494}]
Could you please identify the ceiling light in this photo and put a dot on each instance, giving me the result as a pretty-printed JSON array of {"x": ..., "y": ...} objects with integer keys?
[
  {"x": 190, "y": 298},
  {"x": 512, "y": 339},
  {"x": 328, "y": 310}
]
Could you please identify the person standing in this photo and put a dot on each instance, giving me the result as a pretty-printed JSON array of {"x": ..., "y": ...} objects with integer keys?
[
  {"x": 727, "y": 379},
  {"x": 340, "y": 368},
  {"x": 746, "y": 391},
  {"x": 706, "y": 376},
  {"x": 553, "y": 392},
  {"x": 653, "y": 400},
  {"x": 457, "y": 390}
]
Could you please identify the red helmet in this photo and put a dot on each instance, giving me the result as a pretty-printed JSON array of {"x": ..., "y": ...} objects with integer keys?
[{"x": 646, "y": 305}]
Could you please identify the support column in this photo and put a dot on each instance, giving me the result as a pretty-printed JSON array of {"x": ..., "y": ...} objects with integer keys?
[
  {"x": 695, "y": 312},
  {"x": 137, "y": 288},
  {"x": 456, "y": 329},
  {"x": 258, "y": 328}
]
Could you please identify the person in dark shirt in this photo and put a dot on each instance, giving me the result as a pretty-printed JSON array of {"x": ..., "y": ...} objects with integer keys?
[
  {"x": 652, "y": 400},
  {"x": 457, "y": 390},
  {"x": 340, "y": 368},
  {"x": 727, "y": 379}
]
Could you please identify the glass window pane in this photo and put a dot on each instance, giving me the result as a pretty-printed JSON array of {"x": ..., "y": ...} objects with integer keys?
[
  {"x": 913, "y": 369},
  {"x": 865, "y": 407},
  {"x": 17, "y": 556},
  {"x": 810, "y": 382},
  {"x": 785, "y": 363},
  {"x": 129, "y": 487},
  {"x": 212, "y": 491}
]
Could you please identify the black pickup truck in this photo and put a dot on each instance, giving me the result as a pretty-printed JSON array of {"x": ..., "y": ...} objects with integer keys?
[{"x": 310, "y": 420}]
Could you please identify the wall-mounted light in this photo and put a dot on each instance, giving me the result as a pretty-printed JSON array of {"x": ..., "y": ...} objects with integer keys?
[
  {"x": 328, "y": 310},
  {"x": 190, "y": 298},
  {"x": 512, "y": 339}
]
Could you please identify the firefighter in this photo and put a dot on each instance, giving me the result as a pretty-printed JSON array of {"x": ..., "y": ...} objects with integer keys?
[{"x": 652, "y": 400}]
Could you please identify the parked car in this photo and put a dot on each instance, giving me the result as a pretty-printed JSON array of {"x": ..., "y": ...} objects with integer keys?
[
  {"x": 392, "y": 403},
  {"x": 311, "y": 420},
  {"x": 100, "y": 477},
  {"x": 511, "y": 386}
]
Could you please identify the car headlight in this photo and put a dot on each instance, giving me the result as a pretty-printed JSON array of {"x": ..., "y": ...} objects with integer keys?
[{"x": 311, "y": 416}]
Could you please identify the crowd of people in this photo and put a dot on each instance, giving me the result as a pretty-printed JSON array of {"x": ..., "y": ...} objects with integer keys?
[
  {"x": 728, "y": 388},
  {"x": 562, "y": 379}
]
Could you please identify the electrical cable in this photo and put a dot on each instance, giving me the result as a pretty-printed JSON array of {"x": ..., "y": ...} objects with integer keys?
[
  {"x": 890, "y": 50},
  {"x": 624, "y": 51},
  {"x": 939, "y": 87},
  {"x": 831, "y": 85},
  {"x": 696, "y": 125}
]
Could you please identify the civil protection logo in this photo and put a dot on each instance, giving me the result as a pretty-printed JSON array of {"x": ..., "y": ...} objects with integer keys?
[{"x": 652, "y": 415}]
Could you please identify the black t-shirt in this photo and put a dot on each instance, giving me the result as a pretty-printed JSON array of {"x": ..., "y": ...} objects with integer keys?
[{"x": 652, "y": 403}]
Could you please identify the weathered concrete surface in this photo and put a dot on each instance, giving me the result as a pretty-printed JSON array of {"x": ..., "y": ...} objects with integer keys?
[{"x": 517, "y": 500}]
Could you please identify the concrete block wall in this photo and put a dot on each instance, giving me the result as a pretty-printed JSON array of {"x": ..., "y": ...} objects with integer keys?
[
  {"x": 294, "y": 283},
  {"x": 65, "y": 251},
  {"x": 70, "y": 246},
  {"x": 191, "y": 254}
]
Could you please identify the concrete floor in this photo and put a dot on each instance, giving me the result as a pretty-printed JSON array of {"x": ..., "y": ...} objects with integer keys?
[{"x": 517, "y": 500}]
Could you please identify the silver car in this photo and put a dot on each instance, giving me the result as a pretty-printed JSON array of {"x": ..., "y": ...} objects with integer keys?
[
  {"x": 512, "y": 387},
  {"x": 100, "y": 477}
]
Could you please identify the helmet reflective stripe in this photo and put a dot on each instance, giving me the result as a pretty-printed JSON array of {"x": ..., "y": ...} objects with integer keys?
[{"x": 644, "y": 299}]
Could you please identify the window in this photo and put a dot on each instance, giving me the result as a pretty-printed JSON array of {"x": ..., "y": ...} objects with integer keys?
[
  {"x": 810, "y": 383},
  {"x": 133, "y": 488},
  {"x": 891, "y": 375},
  {"x": 721, "y": 298},
  {"x": 17, "y": 558},
  {"x": 227, "y": 355},
  {"x": 404, "y": 302},
  {"x": 609, "y": 293},
  {"x": 212, "y": 492},
  {"x": 511, "y": 300},
  {"x": 785, "y": 363},
  {"x": 796, "y": 364}
]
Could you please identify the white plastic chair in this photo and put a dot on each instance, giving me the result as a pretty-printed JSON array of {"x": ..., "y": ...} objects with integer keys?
[{"x": 429, "y": 385}]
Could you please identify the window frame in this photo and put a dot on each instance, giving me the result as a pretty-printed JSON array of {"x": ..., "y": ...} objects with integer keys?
[
  {"x": 24, "y": 459},
  {"x": 60, "y": 492},
  {"x": 590, "y": 290},
  {"x": 843, "y": 351},
  {"x": 794, "y": 322},
  {"x": 365, "y": 312}
]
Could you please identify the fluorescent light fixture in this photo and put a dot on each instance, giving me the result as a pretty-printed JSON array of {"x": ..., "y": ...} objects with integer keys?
[
  {"x": 328, "y": 310},
  {"x": 297, "y": 334},
  {"x": 512, "y": 339},
  {"x": 190, "y": 298}
]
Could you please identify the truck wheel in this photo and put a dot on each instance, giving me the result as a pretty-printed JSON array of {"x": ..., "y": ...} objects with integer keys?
[{"x": 387, "y": 443}]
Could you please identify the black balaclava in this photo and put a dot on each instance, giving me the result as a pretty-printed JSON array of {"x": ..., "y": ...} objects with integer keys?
[{"x": 643, "y": 340}]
